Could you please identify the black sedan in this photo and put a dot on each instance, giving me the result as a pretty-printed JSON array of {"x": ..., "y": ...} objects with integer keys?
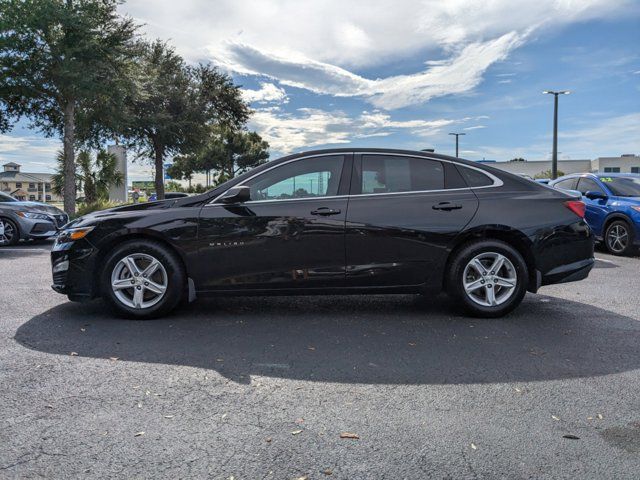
[{"x": 333, "y": 221}]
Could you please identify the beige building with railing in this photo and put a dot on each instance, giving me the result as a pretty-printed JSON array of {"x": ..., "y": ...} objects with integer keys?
[{"x": 27, "y": 186}]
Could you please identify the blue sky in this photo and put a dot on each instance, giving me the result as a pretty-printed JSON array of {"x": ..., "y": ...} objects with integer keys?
[{"x": 404, "y": 74}]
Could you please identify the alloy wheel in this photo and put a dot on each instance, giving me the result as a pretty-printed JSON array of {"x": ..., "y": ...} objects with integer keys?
[
  {"x": 617, "y": 238},
  {"x": 489, "y": 279},
  {"x": 139, "y": 281},
  {"x": 6, "y": 232}
]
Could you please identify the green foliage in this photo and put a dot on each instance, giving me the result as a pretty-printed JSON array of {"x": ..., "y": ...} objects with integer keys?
[
  {"x": 85, "y": 208},
  {"x": 547, "y": 174},
  {"x": 94, "y": 176},
  {"x": 172, "y": 186},
  {"x": 65, "y": 66},
  {"x": 517, "y": 159},
  {"x": 232, "y": 151},
  {"x": 175, "y": 104}
]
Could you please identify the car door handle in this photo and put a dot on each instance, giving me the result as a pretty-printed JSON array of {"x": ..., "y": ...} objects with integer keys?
[
  {"x": 325, "y": 211},
  {"x": 447, "y": 206}
]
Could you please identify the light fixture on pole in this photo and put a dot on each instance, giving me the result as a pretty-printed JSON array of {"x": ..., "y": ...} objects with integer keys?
[
  {"x": 554, "y": 157},
  {"x": 457, "y": 135}
]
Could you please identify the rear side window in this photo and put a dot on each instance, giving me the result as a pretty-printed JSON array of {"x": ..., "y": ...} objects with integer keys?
[
  {"x": 568, "y": 184},
  {"x": 475, "y": 178},
  {"x": 391, "y": 174}
]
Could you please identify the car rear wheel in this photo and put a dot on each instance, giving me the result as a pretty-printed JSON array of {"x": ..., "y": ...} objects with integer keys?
[
  {"x": 9, "y": 234},
  {"x": 142, "y": 280},
  {"x": 488, "y": 278},
  {"x": 619, "y": 238}
]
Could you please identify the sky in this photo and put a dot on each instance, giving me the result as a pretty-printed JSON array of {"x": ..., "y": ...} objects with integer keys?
[{"x": 405, "y": 74}]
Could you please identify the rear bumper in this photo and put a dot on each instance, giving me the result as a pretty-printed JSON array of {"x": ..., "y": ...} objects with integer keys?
[{"x": 570, "y": 272}]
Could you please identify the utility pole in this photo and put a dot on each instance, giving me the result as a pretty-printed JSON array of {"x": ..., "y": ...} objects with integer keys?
[
  {"x": 554, "y": 154},
  {"x": 457, "y": 135}
]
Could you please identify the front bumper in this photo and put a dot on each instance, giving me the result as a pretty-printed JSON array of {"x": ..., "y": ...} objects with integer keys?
[
  {"x": 73, "y": 270},
  {"x": 37, "y": 228}
]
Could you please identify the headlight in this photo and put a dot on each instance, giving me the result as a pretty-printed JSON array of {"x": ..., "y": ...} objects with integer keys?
[
  {"x": 34, "y": 215},
  {"x": 73, "y": 234}
]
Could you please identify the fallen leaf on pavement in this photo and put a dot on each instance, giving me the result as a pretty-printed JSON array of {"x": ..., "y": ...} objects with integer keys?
[
  {"x": 139, "y": 434},
  {"x": 412, "y": 344},
  {"x": 571, "y": 437},
  {"x": 168, "y": 416},
  {"x": 311, "y": 348},
  {"x": 74, "y": 354},
  {"x": 473, "y": 445},
  {"x": 268, "y": 439},
  {"x": 554, "y": 417},
  {"x": 48, "y": 406},
  {"x": 354, "y": 436},
  {"x": 328, "y": 471},
  {"x": 113, "y": 359},
  {"x": 83, "y": 329},
  {"x": 296, "y": 432},
  {"x": 600, "y": 417}
]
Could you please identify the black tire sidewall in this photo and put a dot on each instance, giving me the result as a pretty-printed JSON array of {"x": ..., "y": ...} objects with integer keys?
[
  {"x": 176, "y": 279},
  {"x": 456, "y": 271},
  {"x": 16, "y": 233},
  {"x": 630, "y": 240}
]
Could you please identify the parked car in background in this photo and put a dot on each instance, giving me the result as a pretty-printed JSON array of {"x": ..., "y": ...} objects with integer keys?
[
  {"x": 544, "y": 181},
  {"x": 338, "y": 221},
  {"x": 171, "y": 195},
  {"x": 28, "y": 220},
  {"x": 612, "y": 207}
]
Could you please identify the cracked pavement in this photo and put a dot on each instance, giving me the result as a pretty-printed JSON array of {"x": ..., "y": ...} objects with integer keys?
[{"x": 219, "y": 386}]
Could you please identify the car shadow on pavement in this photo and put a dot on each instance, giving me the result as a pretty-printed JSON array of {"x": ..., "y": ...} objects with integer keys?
[{"x": 397, "y": 339}]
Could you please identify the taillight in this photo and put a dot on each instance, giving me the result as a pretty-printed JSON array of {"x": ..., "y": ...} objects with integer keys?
[{"x": 576, "y": 206}]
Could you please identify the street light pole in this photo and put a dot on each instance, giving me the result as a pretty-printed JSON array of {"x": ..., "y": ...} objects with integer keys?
[
  {"x": 457, "y": 135},
  {"x": 554, "y": 155}
]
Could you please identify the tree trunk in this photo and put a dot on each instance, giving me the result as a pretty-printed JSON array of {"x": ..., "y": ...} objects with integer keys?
[
  {"x": 68, "y": 145},
  {"x": 159, "y": 180}
]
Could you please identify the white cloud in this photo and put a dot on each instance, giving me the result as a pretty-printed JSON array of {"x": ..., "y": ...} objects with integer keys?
[
  {"x": 30, "y": 151},
  {"x": 268, "y": 93},
  {"x": 458, "y": 74},
  {"x": 476, "y": 127},
  {"x": 307, "y": 127},
  {"x": 318, "y": 45}
]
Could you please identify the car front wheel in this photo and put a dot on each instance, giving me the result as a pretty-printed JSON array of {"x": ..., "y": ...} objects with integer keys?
[
  {"x": 142, "y": 280},
  {"x": 487, "y": 278},
  {"x": 9, "y": 234}
]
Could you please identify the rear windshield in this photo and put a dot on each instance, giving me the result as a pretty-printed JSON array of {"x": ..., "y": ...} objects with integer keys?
[{"x": 623, "y": 186}]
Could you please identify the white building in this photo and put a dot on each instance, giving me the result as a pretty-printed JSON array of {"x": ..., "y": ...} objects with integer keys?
[{"x": 622, "y": 164}]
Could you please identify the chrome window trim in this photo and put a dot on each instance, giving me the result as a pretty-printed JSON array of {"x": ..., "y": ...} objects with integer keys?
[{"x": 496, "y": 181}]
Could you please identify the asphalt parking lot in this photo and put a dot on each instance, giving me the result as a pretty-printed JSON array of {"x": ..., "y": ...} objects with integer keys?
[{"x": 265, "y": 387}]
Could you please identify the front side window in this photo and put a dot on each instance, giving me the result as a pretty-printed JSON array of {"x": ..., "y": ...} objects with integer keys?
[
  {"x": 307, "y": 178},
  {"x": 588, "y": 185},
  {"x": 390, "y": 174}
]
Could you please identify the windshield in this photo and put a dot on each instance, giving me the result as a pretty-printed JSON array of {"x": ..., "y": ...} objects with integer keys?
[
  {"x": 6, "y": 198},
  {"x": 623, "y": 186}
]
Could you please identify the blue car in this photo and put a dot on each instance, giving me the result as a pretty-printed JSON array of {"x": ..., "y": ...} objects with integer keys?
[{"x": 613, "y": 206}]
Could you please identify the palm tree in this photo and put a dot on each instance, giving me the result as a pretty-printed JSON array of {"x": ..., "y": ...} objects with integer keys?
[{"x": 93, "y": 176}]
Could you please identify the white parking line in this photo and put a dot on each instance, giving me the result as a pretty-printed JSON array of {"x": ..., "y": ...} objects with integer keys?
[{"x": 24, "y": 250}]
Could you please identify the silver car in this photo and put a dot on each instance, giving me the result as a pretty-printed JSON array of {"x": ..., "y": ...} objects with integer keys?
[{"x": 28, "y": 220}]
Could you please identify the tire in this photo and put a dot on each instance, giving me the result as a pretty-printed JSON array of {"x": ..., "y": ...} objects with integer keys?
[
  {"x": 151, "y": 300},
  {"x": 11, "y": 233},
  {"x": 618, "y": 238},
  {"x": 492, "y": 294}
]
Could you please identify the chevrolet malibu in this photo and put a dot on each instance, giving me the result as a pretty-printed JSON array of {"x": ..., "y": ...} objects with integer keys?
[{"x": 333, "y": 222}]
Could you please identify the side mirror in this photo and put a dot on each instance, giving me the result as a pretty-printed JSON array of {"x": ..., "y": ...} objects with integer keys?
[
  {"x": 239, "y": 194},
  {"x": 595, "y": 195}
]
